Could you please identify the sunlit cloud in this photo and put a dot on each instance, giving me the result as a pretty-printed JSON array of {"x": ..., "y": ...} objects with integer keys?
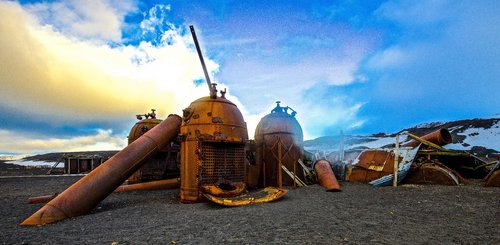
[
  {"x": 75, "y": 80},
  {"x": 47, "y": 73},
  {"x": 102, "y": 140},
  {"x": 91, "y": 19}
]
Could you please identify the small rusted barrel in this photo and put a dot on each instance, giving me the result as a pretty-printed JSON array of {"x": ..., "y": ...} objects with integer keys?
[
  {"x": 326, "y": 177},
  {"x": 439, "y": 137}
]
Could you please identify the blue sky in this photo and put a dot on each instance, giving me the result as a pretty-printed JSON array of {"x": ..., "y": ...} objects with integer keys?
[{"x": 74, "y": 73}]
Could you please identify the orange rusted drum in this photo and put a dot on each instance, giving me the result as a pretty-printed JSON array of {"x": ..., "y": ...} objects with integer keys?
[
  {"x": 161, "y": 166},
  {"x": 326, "y": 177},
  {"x": 439, "y": 137},
  {"x": 493, "y": 180},
  {"x": 213, "y": 137},
  {"x": 279, "y": 140},
  {"x": 85, "y": 194}
]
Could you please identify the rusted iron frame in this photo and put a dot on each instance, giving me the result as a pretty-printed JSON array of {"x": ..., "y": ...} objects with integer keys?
[
  {"x": 456, "y": 154},
  {"x": 280, "y": 163}
]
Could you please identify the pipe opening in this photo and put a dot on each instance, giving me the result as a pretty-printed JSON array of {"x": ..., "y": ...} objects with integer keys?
[{"x": 445, "y": 135}]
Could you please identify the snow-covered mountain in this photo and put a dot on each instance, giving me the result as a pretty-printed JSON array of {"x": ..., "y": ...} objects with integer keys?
[{"x": 480, "y": 136}]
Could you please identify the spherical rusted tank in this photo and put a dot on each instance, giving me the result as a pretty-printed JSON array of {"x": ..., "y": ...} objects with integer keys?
[
  {"x": 279, "y": 140},
  {"x": 161, "y": 166},
  {"x": 142, "y": 127},
  {"x": 213, "y": 137}
]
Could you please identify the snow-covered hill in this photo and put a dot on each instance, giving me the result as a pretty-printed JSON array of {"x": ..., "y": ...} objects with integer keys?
[{"x": 480, "y": 136}]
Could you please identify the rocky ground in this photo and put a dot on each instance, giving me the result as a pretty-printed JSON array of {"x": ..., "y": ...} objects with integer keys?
[{"x": 360, "y": 214}]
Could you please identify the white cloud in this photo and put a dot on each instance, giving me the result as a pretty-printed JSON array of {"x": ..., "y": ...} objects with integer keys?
[
  {"x": 417, "y": 13},
  {"x": 32, "y": 143},
  {"x": 93, "y": 19},
  {"x": 47, "y": 73},
  {"x": 66, "y": 79}
]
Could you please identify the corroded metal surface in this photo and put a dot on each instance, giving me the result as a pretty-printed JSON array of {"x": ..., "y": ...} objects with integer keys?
[
  {"x": 279, "y": 141},
  {"x": 165, "y": 184},
  {"x": 213, "y": 137},
  {"x": 42, "y": 199},
  {"x": 493, "y": 180},
  {"x": 433, "y": 173},
  {"x": 162, "y": 165},
  {"x": 268, "y": 194},
  {"x": 85, "y": 194},
  {"x": 439, "y": 137},
  {"x": 326, "y": 177},
  {"x": 374, "y": 164}
]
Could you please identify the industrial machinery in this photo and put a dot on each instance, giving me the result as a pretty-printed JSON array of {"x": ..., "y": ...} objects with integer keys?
[
  {"x": 163, "y": 165},
  {"x": 279, "y": 147},
  {"x": 213, "y": 137}
]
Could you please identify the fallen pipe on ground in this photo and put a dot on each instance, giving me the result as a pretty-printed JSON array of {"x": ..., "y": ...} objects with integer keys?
[
  {"x": 85, "y": 194},
  {"x": 165, "y": 184},
  {"x": 326, "y": 177},
  {"x": 42, "y": 199}
]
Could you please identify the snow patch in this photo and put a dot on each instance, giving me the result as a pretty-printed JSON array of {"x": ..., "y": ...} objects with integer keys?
[
  {"x": 32, "y": 163},
  {"x": 489, "y": 138}
]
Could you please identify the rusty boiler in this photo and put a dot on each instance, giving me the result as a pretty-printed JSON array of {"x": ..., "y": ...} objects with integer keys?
[
  {"x": 279, "y": 145},
  {"x": 213, "y": 136},
  {"x": 161, "y": 166}
]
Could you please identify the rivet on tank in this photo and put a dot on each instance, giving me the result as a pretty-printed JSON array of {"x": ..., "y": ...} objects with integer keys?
[{"x": 279, "y": 146}]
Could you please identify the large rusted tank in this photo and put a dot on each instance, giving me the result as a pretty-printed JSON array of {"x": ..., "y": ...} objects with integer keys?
[
  {"x": 279, "y": 142},
  {"x": 161, "y": 166},
  {"x": 213, "y": 137}
]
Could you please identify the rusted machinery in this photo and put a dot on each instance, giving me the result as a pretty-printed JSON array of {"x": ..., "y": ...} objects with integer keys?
[
  {"x": 372, "y": 164},
  {"x": 90, "y": 190},
  {"x": 279, "y": 146},
  {"x": 213, "y": 137},
  {"x": 457, "y": 164},
  {"x": 162, "y": 165}
]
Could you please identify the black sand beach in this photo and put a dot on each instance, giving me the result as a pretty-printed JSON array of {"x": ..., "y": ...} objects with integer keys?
[{"x": 360, "y": 214}]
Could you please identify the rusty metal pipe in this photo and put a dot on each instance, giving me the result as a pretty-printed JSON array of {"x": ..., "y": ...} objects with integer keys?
[
  {"x": 146, "y": 186},
  {"x": 439, "y": 137},
  {"x": 326, "y": 177},
  {"x": 165, "y": 184},
  {"x": 85, "y": 194},
  {"x": 42, "y": 199}
]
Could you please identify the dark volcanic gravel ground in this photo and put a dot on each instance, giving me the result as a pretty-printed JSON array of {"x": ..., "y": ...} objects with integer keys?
[{"x": 359, "y": 214}]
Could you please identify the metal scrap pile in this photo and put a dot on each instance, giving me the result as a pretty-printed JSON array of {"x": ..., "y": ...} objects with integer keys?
[{"x": 422, "y": 160}]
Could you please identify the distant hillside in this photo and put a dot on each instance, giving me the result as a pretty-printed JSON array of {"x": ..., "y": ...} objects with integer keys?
[
  {"x": 56, "y": 156},
  {"x": 480, "y": 136}
]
